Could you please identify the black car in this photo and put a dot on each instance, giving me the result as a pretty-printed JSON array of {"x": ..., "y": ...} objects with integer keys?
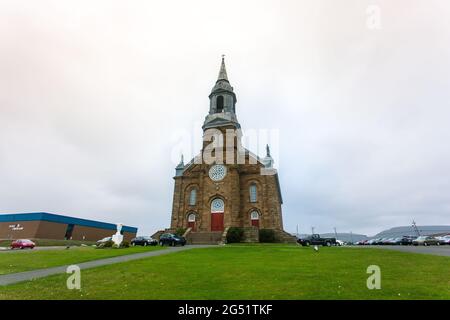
[
  {"x": 315, "y": 239},
  {"x": 407, "y": 240},
  {"x": 171, "y": 239},
  {"x": 143, "y": 241}
]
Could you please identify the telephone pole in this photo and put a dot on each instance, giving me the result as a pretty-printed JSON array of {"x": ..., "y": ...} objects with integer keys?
[
  {"x": 335, "y": 233},
  {"x": 312, "y": 230},
  {"x": 415, "y": 228}
]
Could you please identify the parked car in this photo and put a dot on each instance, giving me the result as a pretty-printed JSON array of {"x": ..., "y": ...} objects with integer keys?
[
  {"x": 340, "y": 243},
  {"x": 393, "y": 241},
  {"x": 361, "y": 242},
  {"x": 387, "y": 241},
  {"x": 444, "y": 240},
  {"x": 372, "y": 241},
  {"x": 377, "y": 241},
  {"x": 407, "y": 240},
  {"x": 171, "y": 239},
  {"x": 22, "y": 244},
  {"x": 104, "y": 240},
  {"x": 426, "y": 241},
  {"x": 315, "y": 239},
  {"x": 143, "y": 241}
]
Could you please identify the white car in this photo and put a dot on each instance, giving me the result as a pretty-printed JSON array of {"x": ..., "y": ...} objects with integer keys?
[
  {"x": 339, "y": 242},
  {"x": 444, "y": 239}
]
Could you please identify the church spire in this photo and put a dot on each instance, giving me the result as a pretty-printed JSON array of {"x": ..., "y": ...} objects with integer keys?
[
  {"x": 222, "y": 102},
  {"x": 223, "y": 71}
]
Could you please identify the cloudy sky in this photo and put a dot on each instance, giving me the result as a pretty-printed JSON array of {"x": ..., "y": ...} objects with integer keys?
[{"x": 95, "y": 97}]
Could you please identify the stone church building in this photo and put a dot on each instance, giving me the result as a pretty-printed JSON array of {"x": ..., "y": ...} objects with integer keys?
[{"x": 226, "y": 185}]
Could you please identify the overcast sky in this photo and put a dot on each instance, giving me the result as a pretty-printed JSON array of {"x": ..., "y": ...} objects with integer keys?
[{"x": 94, "y": 96}]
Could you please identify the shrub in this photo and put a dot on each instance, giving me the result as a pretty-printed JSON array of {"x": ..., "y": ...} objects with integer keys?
[
  {"x": 266, "y": 235},
  {"x": 180, "y": 231},
  {"x": 106, "y": 244},
  {"x": 235, "y": 235},
  {"x": 124, "y": 244}
]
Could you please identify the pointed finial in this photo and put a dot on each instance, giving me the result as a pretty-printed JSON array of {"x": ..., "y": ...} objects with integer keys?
[
  {"x": 182, "y": 159},
  {"x": 223, "y": 71},
  {"x": 267, "y": 150}
]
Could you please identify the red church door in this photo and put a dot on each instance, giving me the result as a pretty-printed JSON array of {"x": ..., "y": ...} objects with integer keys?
[
  {"x": 216, "y": 221},
  {"x": 217, "y": 210},
  {"x": 254, "y": 217},
  {"x": 191, "y": 221}
]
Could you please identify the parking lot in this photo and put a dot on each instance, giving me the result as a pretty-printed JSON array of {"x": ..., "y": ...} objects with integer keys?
[{"x": 435, "y": 250}]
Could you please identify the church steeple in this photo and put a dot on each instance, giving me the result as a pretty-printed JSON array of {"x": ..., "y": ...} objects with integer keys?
[
  {"x": 222, "y": 102},
  {"x": 223, "y": 71}
]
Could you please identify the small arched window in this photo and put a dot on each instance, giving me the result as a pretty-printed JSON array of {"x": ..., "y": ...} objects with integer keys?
[
  {"x": 254, "y": 215},
  {"x": 191, "y": 217},
  {"x": 193, "y": 197},
  {"x": 253, "y": 193},
  {"x": 217, "y": 205},
  {"x": 219, "y": 104}
]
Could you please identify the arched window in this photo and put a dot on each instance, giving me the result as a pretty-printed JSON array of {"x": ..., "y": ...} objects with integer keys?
[
  {"x": 191, "y": 217},
  {"x": 254, "y": 215},
  {"x": 219, "y": 104},
  {"x": 217, "y": 205},
  {"x": 193, "y": 197},
  {"x": 253, "y": 193}
]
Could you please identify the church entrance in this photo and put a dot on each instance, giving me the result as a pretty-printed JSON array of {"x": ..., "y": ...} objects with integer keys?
[
  {"x": 254, "y": 216},
  {"x": 191, "y": 221},
  {"x": 216, "y": 221},
  {"x": 217, "y": 210}
]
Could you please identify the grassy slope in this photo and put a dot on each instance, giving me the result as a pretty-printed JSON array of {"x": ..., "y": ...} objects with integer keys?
[
  {"x": 50, "y": 242},
  {"x": 11, "y": 262},
  {"x": 254, "y": 272}
]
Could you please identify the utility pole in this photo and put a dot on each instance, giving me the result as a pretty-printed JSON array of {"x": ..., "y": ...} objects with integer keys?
[
  {"x": 335, "y": 233},
  {"x": 415, "y": 228},
  {"x": 351, "y": 237},
  {"x": 297, "y": 230},
  {"x": 312, "y": 230}
]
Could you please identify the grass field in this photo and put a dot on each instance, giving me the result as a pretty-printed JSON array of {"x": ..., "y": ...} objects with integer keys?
[
  {"x": 11, "y": 262},
  {"x": 254, "y": 272},
  {"x": 51, "y": 242}
]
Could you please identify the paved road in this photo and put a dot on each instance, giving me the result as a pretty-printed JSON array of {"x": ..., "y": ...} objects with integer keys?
[
  {"x": 435, "y": 250},
  {"x": 35, "y": 274}
]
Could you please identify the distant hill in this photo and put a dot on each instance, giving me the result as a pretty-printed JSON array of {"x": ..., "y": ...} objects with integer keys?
[{"x": 408, "y": 230}]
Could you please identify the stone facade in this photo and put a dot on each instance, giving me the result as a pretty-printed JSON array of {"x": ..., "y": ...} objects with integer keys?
[{"x": 251, "y": 197}]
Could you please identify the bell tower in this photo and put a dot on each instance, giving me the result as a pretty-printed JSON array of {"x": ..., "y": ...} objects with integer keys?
[
  {"x": 221, "y": 129},
  {"x": 222, "y": 103}
]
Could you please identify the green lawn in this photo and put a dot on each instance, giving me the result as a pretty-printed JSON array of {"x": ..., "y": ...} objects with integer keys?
[
  {"x": 254, "y": 272},
  {"x": 25, "y": 260},
  {"x": 51, "y": 242}
]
